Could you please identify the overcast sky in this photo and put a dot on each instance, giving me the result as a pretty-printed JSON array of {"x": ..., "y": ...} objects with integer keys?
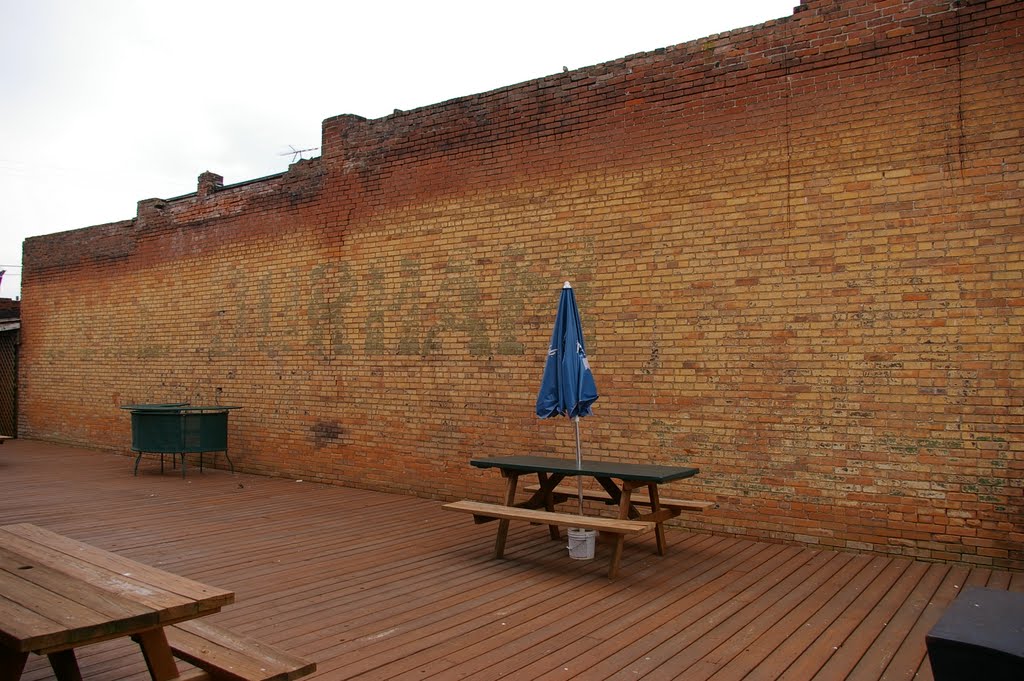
[{"x": 107, "y": 102}]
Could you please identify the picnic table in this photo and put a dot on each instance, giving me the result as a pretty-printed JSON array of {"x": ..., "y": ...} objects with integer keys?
[
  {"x": 631, "y": 487},
  {"x": 58, "y": 594}
]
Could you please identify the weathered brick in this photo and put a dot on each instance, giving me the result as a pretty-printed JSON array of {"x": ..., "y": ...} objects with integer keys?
[{"x": 797, "y": 248}]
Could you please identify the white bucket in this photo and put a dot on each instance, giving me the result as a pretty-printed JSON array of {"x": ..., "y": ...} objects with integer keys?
[{"x": 581, "y": 543}]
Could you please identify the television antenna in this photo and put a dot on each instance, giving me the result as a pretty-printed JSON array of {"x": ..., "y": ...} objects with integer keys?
[{"x": 297, "y": 154}]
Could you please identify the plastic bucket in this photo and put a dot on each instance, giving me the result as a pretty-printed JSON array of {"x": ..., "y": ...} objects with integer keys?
[{"x": 581, "y": 543}]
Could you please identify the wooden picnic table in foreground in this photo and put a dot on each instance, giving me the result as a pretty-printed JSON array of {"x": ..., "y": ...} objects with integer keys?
[{"x": 58, "y": 594}]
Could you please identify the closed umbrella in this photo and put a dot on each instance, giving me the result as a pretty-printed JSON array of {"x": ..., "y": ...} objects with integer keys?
[{"x": 567, "y": 387}]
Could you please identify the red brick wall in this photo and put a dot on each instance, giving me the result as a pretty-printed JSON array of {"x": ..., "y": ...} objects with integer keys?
[{"x": 797, "y": 249}]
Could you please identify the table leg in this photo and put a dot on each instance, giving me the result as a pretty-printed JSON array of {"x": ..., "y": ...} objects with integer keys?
[
  {"x": 65, "y": 666},
  {"x": 157, "y": 653},
  {"x": 549, "y": 503},
  {"x": 659, "y": 528},
  {"x": 511, "y": 480},
  {"x": 12, "y": 663},
  {"x": 625, "y": 505}
]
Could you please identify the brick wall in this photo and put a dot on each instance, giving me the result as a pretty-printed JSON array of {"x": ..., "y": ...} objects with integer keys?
[{"x": 797, "y": 249}]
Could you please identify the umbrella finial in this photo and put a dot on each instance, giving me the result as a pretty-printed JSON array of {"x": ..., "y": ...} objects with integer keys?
[{"x": 566, "y": 285}]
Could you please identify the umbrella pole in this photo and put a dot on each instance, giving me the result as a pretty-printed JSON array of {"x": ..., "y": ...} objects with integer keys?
[{"x": 579, "y": 463}]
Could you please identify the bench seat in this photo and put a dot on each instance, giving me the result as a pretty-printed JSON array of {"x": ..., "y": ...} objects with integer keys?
[
  {"x": 640, "y": 497},
  {"x": 614, "y": 525},
  {"x": 229, "y": 656},
  {"x": 620, "y": 528}
]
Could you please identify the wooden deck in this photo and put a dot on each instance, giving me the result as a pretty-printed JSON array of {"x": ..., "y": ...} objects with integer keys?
[{"x": 376, "y": 586}]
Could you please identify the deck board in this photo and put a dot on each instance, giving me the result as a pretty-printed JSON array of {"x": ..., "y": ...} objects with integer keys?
[{"x": 378, "y": 586}]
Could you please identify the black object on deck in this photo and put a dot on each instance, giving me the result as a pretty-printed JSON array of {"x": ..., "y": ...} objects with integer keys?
[{"x": 979, "y": 636}]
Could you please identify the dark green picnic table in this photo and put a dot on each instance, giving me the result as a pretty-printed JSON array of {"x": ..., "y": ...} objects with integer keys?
[{"x": 631, "y": 476}]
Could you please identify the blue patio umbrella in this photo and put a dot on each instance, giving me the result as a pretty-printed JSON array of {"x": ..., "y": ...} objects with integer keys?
[{"x": 567, "y": 387}]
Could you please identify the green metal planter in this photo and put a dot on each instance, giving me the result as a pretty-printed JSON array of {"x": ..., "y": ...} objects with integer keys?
[{"x": 179, "y": 429}]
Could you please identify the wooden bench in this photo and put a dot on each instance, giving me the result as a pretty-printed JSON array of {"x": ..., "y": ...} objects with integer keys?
[
  {"x": 483, "y": 512},
  {"x": 640, "y": 497},
  {"x": 537, "y": 516},
  {"x": 228, "y": 656}
]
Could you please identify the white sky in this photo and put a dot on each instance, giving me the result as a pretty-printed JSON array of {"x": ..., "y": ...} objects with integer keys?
[{"x": 107, "y": 102}]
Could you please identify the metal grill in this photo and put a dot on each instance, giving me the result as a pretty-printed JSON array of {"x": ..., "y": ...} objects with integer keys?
[{"x": 9, "y": 382}]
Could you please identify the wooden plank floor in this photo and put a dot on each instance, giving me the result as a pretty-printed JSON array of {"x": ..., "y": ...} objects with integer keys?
[{"x": 377, "y": 586}]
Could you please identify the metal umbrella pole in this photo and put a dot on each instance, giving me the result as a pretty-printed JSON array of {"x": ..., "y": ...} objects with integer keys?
[{"x": 579, "y": 463}]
